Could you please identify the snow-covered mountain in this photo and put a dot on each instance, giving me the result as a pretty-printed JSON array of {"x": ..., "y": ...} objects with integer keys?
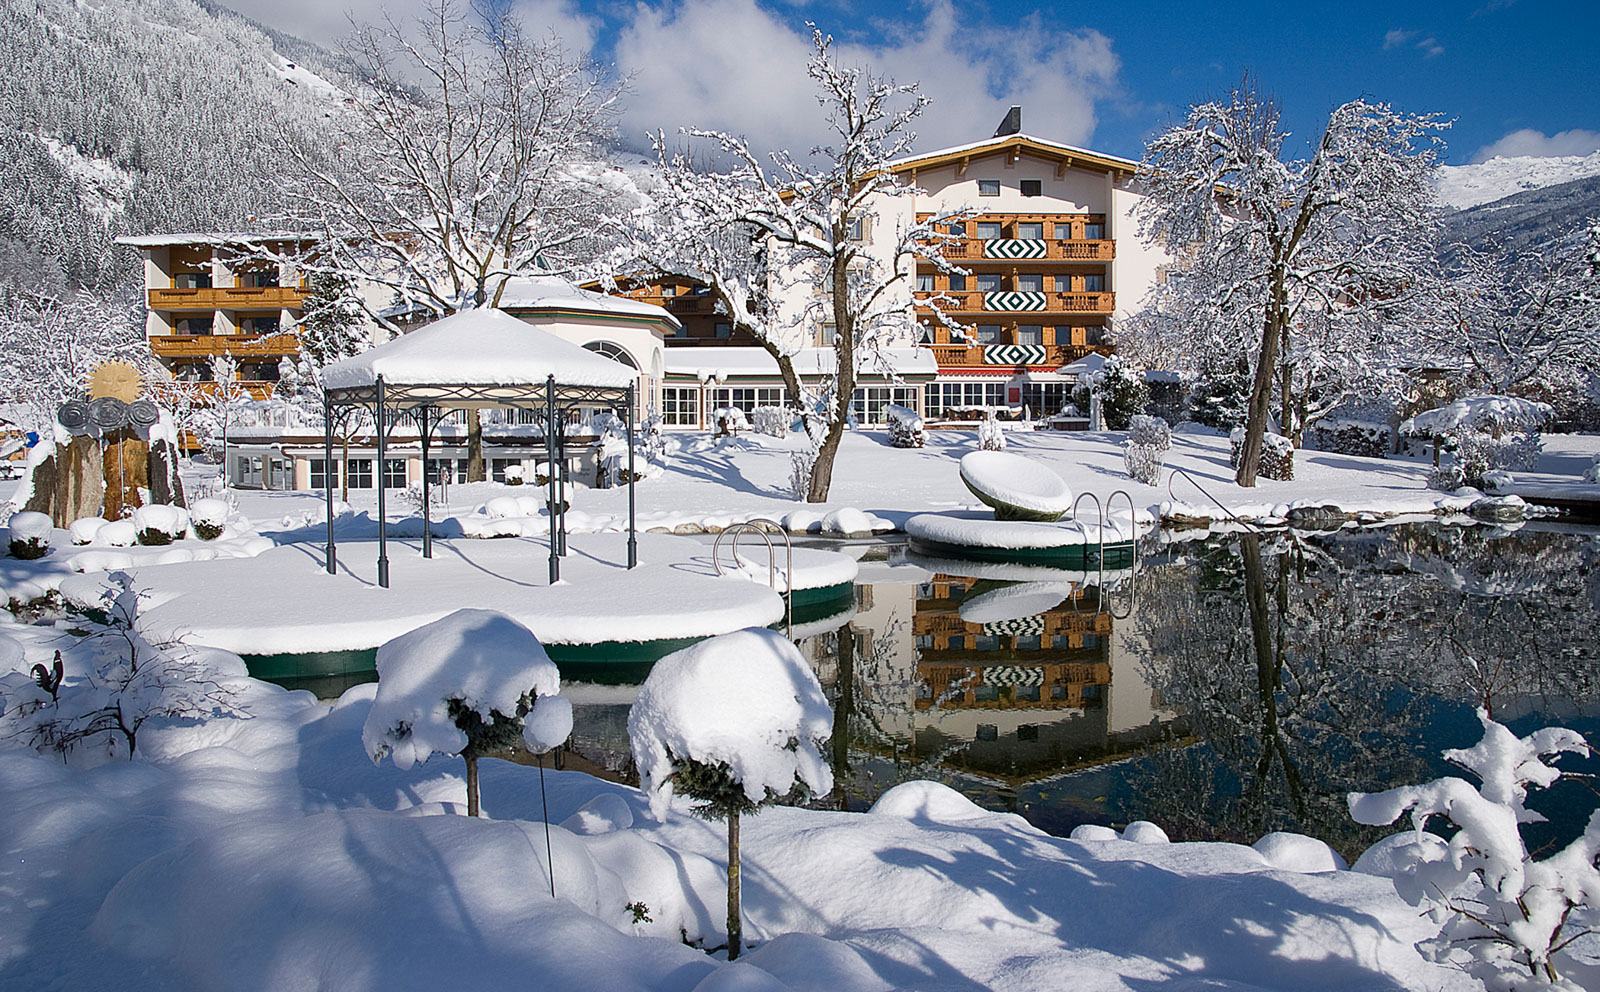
[{"x": 1465, "y": 186}]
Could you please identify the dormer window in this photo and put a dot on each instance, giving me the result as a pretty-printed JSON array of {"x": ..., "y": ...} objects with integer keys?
[
  {"x": 988, "y": 187},
  {"x": 1032, "y": 187}
]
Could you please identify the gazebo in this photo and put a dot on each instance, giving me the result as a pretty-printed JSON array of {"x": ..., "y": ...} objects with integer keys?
[{"x": 476, "y": 359}]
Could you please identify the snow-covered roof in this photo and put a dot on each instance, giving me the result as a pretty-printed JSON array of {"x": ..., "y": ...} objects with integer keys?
[
  {"x": 556, "y": 295},
  {"x": 1082, "y": 156},
  {"x": 211, "y": 238},
  {"x": 754, "y": 361},
  {"x": 1092, "y": 362},
  {"x": 1480, "y": 411},
  {"x": 483, "y": 347}
]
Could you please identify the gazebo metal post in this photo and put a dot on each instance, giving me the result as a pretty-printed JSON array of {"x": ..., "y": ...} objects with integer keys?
[
  {"x": 561, "y": 491},
  {"x": 332, "y": 556},
  {"x": 550, "y": 452},
  {"x": 427, "y": 535},
  {"x": 633, "y": 515},
  {"x": 383, "y": 543}
]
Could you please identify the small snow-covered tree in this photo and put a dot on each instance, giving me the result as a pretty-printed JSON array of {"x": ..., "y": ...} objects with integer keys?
[
  {"x": 469, "y": 684},
  {"x": 991, "y": 437},
  {"x": 734, "y": 722},
  {"x": 754, "y": 234},
  {"x": 333, "y": 320},
  {"x": 1270, "y": 243},
  {"x": 128, "y": 683},
  {"x": 1507, "y": 918},
  {"x": 1123, "y": 392}
]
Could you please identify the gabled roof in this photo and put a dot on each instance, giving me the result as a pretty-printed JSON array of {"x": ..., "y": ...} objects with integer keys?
[
  {"x": 212, "y": 238},
  {"x": 1017, "y": 144},
  {"x": 531, "y": 296}
]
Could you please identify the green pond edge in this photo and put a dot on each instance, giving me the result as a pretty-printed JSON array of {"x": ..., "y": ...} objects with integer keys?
[{"x": 1117, "y": 554}]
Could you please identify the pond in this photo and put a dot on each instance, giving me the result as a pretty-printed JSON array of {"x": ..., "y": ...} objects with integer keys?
[{"x": 1226, "y": 688}]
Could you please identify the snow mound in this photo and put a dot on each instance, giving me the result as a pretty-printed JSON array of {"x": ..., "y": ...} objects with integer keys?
[
  {"x": 1145, "y": 832},
  {"x": 604, "y": 814},
  {"x": 928, "y": 801},
  {"x": 741, "y": 976},
  {"x": 162, "y": 518},
  {"x": 747, "y": 700},
  {"x": 1297, "y": 852},
  {"x": 809, "y": 963},
  {"x": 802, "y": 521},
  {"x": 12, "y": 656},
  {"x": 209, "y": 511},
  {"x": 83, "y": 530},
  {"x": 117, "y": 534},
  {"x": 1017, "y": 487},
  {"x": 30, "y": 526},
  {"x": 484, "y": 659},
  {"x": 1093, "y": 831},
  {"x": 547, "y": 724},
  {"x": 847, "y": 522},
  {"x": 1400, "y": 853}
]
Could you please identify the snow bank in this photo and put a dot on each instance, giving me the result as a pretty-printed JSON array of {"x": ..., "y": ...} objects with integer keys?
[
  {"x": 1297, "y": 852},
  {"x": 747, "y": 700},
  {"x": 485, "y": 660}
]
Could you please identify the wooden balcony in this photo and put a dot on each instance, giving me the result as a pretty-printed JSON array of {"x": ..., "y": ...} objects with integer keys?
[
  {"x": 233, "y": 298},
  {"x": 239, "y": 345},
  {"x": 1006, "y": 301},
  {"x": 1040, "y": 250},
  {"x": 680, "y": 306},
  {"x": 973, "y": 355},
  {"x": 259, "y": 389}
]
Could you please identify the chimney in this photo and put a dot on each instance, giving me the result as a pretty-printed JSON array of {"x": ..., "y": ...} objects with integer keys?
[{"x": 1011, "y": 125}]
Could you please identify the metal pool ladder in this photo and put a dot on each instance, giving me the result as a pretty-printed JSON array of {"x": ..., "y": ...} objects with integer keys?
[
  {"x": 763, "y": 527},
  {"x": 1100, "y": 532}
]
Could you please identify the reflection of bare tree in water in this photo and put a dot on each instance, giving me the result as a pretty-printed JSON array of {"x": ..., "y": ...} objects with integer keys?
[{"x": 1307, "y": 667}]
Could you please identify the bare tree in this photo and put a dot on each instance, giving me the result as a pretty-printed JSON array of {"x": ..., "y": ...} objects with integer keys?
[
  {"x": 471, "y": 158},
  {"x": 48, "y": 347},
  {"x": 1273, "y": 243},
  {"x": 760, "y": 236}
]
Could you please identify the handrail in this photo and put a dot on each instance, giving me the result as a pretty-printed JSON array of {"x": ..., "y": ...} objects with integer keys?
[
  {"x": 1133, "y": 579},
  {"x": 750, "y": 526},
  {"x": 1192, "y": 481}
]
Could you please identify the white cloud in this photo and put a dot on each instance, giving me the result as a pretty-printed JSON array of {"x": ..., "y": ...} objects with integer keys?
[
  {"x": 730, "y": 65},
  {"x": 1527, "y": 141},
  {"x": 1397, "y": 37},
  {"x": 1430, "y": 47}
]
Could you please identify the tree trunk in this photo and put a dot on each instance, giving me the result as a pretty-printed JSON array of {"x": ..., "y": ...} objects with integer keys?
[
  {"x": 1261, "y": 390},
  {"x": 475, "y": 446},
  {"x": 845, "y": 683},
  {"x": 822, "y": 468},
  {"x": 472, "y": 785},
  {"x": 735, "y": 930}
]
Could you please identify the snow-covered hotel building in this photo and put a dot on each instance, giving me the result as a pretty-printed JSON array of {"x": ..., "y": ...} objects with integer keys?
[{"x": 1052, "y": 262}]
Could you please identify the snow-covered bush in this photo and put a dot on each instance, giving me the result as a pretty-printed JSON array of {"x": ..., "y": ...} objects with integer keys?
[
  {"x": 1277, "y": 454},
  {"x": 734, "y": 722},
  {"x": 1364, "y": 438},
  {"x": 83, "y": 530},
  {"x": 1221, "y": 400},
  {"x": 1122, "y": 391},
  {"x": 905, "y": 427},
  {"x": 990, "y": 436},
  {"x": 30, "y": 535},
  {"x": 1152, "y": 431},
  {"x": 1144, "y": 462},
  {"x": 800, "y": 463},
  {"x": 772, "y": 421},
  {"x": 131, "y": 684},
  {"x": 1477, "y": 455},
  {"x": 513, "y": 475},
  {"x": 1511, "y": 921},
  {"x": 1592, "y": 473},
  {"x": 728, "y": 421},
  {"x": 469, "y": 684},
  {"x": 209, "y": 517},
  {"x": 160, "y": 525}
]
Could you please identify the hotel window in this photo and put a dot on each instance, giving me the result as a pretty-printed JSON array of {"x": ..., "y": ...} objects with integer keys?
[
  {"x": 1030, "y": 230},
  {"x": 958, "y": 281},
  {"x": 990, "y": 229},
  {"x": 1032, "y": 187},
  {"x": 319, "y": 473},
  {"x": 723, "y": 330},
  {"x": 987, "y": 731},
  {"x": 1064, "y": 230},
  {"x": 1030, "y": 334},
  {"x": 194, "y": 325},
  {"x": 1029, "y": 731},
  {"x": 925, "y": 282},
  {"x": 830, "y": 333},
  {"x": 447, "y": 470},
  {"x": 259, "y": 325},
  {"x": 192, "y": 280},
  {"x": 1030, "y": 282},
  {"x": 669, "y": 291},
  {"x": 986, "y": 333},
  {"x": 958, "y": 228},
  {"x": 259, "y": 279},
  {"x": 1094, "y": 232},
  {"x": 987, "y": 282},
  {"x": 1094, "y": 282},
  {"x": 1063, "y": 334},
  {"x": 680, "y": 407},
  {"x": 394, "y": 473},
  {"x": 857, "y": 229},
  {"x": 359, "y": 473},
  {"x": 1063, "y": 283},
  {"x": 988, "y": 187}
]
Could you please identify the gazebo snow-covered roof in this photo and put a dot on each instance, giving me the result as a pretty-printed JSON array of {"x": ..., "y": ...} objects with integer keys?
[
  {"x": 479, "y": 358},
  {"x": 471, "y": 360}
]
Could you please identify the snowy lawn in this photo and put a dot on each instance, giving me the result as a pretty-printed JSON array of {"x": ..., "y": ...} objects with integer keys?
[{"x": 270, "y": 853}]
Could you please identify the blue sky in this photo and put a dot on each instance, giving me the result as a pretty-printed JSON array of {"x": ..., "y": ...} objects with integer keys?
[{"x": 1518, "y": 76}]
